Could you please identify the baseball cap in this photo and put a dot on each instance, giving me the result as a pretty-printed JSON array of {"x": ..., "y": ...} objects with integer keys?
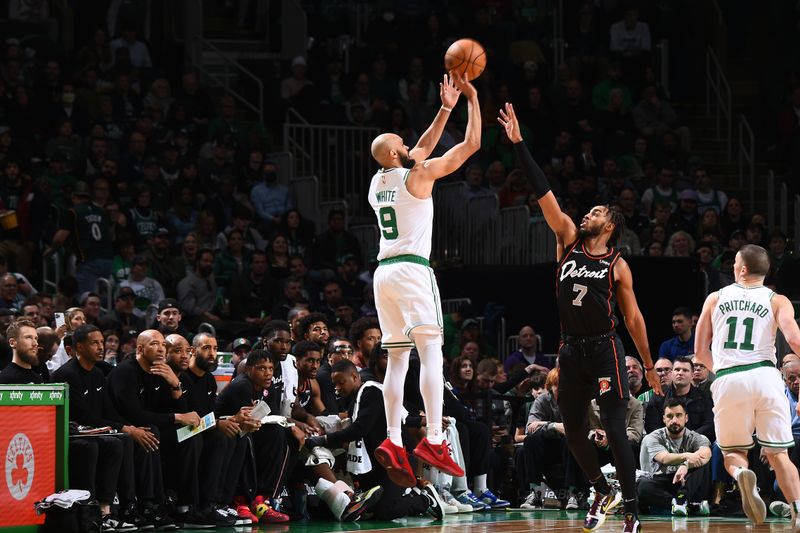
[
  {"x": 299, "y": 61},
  {"x": 139, "y": 260},
  {"x": 168, "y": 303},
  {"x": 687, "y": 194},
  {"x": 241, "y": 341},
  {"x": 81, "y": 189},
  {"x": 162, "y": 231}
]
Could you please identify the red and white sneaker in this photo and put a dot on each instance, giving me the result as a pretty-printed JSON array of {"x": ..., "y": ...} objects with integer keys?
[
  {"x": 243, "y": 511},
  {"x": 395, "y": 460},
  {"x": 438, "y": 456}
]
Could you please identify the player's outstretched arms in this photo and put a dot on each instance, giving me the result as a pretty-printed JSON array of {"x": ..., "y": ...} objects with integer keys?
[
  {"x": 561, "y": 224},
  {"x": 425, "y": 173},
  {"x": 449, "y": 93},
  {"x": 704, "y": 333}
]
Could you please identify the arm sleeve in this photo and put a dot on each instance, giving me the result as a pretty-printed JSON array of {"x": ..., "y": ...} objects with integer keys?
[
  {"x": 369, "y": 410},
  {"x": 531, "y": 169}
]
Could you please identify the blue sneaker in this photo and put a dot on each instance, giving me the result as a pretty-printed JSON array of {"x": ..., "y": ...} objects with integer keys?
[
  {"x": 468, "y": 498},
  {"x": 492, "y": 501}
]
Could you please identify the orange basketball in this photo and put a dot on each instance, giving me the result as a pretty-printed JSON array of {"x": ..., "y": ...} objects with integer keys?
[{"x": 466, "y": 57}]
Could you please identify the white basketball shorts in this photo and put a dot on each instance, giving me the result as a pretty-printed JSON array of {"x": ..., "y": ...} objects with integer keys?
[{"x": 407, "y": 300}]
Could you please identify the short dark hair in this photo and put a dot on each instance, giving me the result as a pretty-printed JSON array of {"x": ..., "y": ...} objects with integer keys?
[
  {"x": 15, "y": 327},
  {"x": 273, "y": 326},
  {"x": 675, "y": 402},
  {"x": 755, "y": 258},
  {"x": 335, "y": 212},
  {"x": 303, "y": 348},
  {"x": 685, "y": 359},
  {"x": 256, "y": 356},
  {"x": 344, "y": 365},
  {"x": 206, "y": 251},
  {"x": 306, "y": 321},
  {"x": 682, "y": 310},
  {"x": 361, "y": 325},
  {"x": 82, "y": 333}
]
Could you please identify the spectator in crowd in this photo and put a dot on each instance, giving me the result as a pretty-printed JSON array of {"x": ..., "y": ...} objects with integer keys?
[
  {"x": 242, "y": 221},
  {"x": 528, "y": 352},
  {"x": 702, "y": 378},
  {"x": 162, "y": 264},
  {"x": 634, "y": 429},
  {"x": 88, "y": 226},
  {"x": 661, "y": 192},
  {"x": 92, "y": 308},
  {"x": 299, "y": 233},
  {"x": 630, "y": 36},
  {"x": 682, "y": 343},
  {"x": 686, "y": 217},
  {"x": 32, "y": 311},
  {"x": 697, "y": 403},
  {"x": 197, "y": 292},
  {"x": 169, "y": 319},
  {"x": 10, "y": 297},
  {"x": 680, "y": 244},
  {"x": 138, "y": 54},
  {"x": 636, "y": 382},
  {"x": 733, "y": 218},
  {"x": 791, "y": 377},
  {"x": 707, "y": 196},
  {"x": 148, "y": 290},
  {"x": 334, "y": 243},
  {"x": 254, "y": 292},
  {"x": 278, "y": 257},
  {"x": 270, "y": 198},
  {"x": 679, "y": 460},
  {"x": 23, "y": 340},
  {"x": 655, "y": 117},
  {"x": 122, "y": 317},
  {"x": 705, "y": 255},
  {"x": 293, "y": 85},
  {"x": 364, "y": 334},
  {"x": 233, "y": 261}
]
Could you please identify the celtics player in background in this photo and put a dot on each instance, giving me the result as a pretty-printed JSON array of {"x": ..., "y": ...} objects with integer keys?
[
  {"x": 736, "y": 338},
  {"x": 590, "y": 277},
  {"x": 406, "y": 295}
]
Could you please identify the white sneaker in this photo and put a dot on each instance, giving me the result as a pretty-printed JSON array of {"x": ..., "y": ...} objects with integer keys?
[
  {"x": 752, "y": 504},
  {"x": 679, "y": 509},
  {"x": 533, "y": 501},
  {"x": 780, "y": 509},
  {"x": 572, "y": 504},
  {"x": 451, "y": 500}
]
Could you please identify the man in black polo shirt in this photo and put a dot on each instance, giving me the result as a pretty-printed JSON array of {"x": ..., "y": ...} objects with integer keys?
[
  {"x": 112, "y": 471},
  {"x": 147, "y": 392},
  {"x": 24, "y": 341},
  {"x": 223, "y": 451}
]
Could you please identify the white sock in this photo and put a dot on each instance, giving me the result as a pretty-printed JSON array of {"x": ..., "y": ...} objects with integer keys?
[
  {"x": 393, "y": 391},
  {"x": 459, "y": 485},
  {"x": 737, "y": 470},
  {"x": 479, "y": 484},
  {"x": 431, "y": 382},
  {"x": 395, "y": 435},
  {"x": 796, "y": 507},
  {"x": 333, "y": 494}
]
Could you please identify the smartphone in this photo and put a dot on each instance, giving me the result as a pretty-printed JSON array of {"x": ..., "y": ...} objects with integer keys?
[{"x": 60, "y": 320}]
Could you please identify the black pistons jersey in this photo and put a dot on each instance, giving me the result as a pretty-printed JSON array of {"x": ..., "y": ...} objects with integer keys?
[{"x": 586, "y": 292}]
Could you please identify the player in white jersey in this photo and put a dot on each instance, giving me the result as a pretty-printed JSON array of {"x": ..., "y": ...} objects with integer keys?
[
  {"x": 739, "y": 323},
  {"x": 406, "y": 295}
]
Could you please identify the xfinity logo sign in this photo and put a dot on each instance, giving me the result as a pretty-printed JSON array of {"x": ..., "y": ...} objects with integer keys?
[{"x": 570, "y": 270}]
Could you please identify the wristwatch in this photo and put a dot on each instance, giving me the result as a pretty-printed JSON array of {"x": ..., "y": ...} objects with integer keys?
[{"x": 685, "y": 463}]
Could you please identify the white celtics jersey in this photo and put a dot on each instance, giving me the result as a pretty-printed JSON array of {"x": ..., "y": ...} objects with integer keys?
[
  {"x": 744, "y": 327},
  {"x": 405, "y": 222}
]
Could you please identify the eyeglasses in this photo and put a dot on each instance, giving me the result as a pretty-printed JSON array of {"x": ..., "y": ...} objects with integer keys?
[
  {"x": 663, "y": 370},
  {"x": 344, "y": 349},
  {"x": 698, "y": 365}
]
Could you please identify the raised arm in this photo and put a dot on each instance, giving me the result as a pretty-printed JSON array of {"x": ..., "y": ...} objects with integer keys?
[
  {"x": 634, "y": 320},
  {"x": 425, "y": 173},
  {"x": 704, "y": 332},
  {"x": 449, "y": 94},
  {"x": 560, "y": 223}
]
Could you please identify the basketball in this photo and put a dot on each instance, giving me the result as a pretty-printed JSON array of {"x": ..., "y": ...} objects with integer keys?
[{"x": 466, "y": 57}]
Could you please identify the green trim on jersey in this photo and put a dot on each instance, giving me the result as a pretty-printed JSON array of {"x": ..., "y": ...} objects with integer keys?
[
  {"x": 405, "y": 178},
  {"x": 436, "y": 301},
  {"x": 742, "y": 447},
  {"x": 769, "y": 444},
  {"x": 743, "y": 368},
  {"x": 405, "y": 258}
]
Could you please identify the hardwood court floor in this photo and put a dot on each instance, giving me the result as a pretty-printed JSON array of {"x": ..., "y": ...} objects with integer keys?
[{"x": 516, "y": 521}]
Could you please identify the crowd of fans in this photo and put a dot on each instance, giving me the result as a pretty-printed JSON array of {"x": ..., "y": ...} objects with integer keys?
[{"x": 116, "y": 171}]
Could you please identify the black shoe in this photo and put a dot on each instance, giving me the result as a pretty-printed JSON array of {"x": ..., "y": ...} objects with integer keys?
[
  {"x": 116, "y": 525},
  {"x": 361, "y": 503},
  {"x": 196, "y": 519},
  {"x": 220, "y": 516},
  {"x": 160, "y": 520},
  {"x": 133, "y": 516}
]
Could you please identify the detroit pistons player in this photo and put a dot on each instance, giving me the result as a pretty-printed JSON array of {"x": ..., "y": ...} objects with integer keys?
[{"x": 590, "y": 278}]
